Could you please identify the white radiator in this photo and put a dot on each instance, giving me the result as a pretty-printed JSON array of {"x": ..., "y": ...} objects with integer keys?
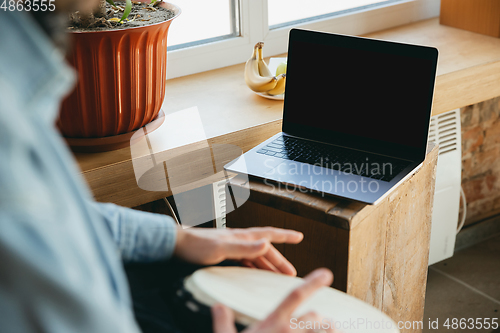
[
  {"x": 445, "y": 129},
  {"x": 219, "y": 195}
]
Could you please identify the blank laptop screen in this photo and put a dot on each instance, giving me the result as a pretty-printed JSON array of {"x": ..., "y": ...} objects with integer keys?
[{"x": 360, "y": 93}]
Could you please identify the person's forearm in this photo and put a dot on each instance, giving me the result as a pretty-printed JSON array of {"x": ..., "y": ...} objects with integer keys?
[{"x": 140, "y": 236}]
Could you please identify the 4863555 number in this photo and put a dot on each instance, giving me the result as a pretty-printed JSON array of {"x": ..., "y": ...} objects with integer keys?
[
  {"x": 471, "y": 323},
  {"x": 28, "y": 5}
]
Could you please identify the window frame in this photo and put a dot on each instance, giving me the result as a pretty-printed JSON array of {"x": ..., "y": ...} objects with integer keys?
[{"x": 222, "y": 52}]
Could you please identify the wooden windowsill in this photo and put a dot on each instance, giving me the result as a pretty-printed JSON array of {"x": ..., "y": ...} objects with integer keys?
[{"x": 468, "y": 73}]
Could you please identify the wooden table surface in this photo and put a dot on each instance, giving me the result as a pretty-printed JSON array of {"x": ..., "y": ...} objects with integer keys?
[{"x": 230, "y": 113}]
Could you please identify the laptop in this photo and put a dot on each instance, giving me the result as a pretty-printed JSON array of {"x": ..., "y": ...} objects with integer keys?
[{"x": 355, "y": 117}]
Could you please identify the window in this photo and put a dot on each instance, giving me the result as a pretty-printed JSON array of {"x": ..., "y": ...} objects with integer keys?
[
  {"x": 289, "y": 12},
  {"x": 203, "y": 22},
  {"x": 219, "y": 33}
]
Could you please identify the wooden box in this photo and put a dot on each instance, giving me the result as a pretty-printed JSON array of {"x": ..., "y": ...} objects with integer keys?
[
  {"x": 481, "y": 16},
  {"x": 378, "y": 253}
]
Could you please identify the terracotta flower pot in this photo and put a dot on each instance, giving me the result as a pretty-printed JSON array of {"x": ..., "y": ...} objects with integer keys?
[{"x": 121, "y": 80}]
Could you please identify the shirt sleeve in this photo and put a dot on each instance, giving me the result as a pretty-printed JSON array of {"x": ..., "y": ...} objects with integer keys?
[{"x": 140, "y": 236}]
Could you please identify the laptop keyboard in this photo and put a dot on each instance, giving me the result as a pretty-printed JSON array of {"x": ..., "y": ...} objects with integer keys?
[{"x": 335, "y": 158}]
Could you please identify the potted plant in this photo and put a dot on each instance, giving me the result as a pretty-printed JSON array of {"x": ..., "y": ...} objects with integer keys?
[{"x": 120, "y": 55}]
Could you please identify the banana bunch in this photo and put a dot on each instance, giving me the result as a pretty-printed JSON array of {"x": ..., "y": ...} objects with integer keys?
[{"x": 258, "y": 76}]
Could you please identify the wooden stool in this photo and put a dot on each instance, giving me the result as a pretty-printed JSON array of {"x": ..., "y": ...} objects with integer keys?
[{"x": 378, "y": 253}]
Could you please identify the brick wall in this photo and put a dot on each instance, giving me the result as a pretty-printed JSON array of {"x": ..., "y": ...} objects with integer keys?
[{"x": 480, "y": 159}]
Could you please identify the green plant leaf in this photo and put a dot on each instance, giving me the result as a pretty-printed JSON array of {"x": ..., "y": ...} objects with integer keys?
[
  {"x": 152, "y": 2},
  {"x": 126, "y": 12}
]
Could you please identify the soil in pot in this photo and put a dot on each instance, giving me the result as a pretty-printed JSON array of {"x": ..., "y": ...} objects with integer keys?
[{"x": 108, "y": 17}]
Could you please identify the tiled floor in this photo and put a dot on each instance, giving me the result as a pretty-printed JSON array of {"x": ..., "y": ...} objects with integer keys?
[{"x": 465, "y": 286}]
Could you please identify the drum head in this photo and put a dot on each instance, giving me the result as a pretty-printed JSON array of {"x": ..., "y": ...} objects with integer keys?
[{"x": 253, "y": 294}]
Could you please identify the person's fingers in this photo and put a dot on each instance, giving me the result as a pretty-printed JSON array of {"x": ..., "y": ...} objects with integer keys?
[
  {"x": 274, "y": 261},
  {"x": 316, "y": 322},
  {"x": 222, "y": 319},
  {"x": 310, "y": 319},
  {"x": 244, "y": 250},
  {"x": 274, "y": 235},
  {"x": 247, "y": 263},
  {"x": 263, "y": 263},
  {"x": 312, "y": 282},
  {"x": 282, "y": 264}
]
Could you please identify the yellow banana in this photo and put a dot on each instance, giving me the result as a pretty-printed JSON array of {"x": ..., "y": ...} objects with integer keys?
[
  {"x": 280, "y": 86},
  {"x": 263, "y": 69},
  {"x": 253, "y": 78}
]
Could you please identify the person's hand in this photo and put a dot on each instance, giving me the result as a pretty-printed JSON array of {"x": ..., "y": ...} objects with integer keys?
[
  {"x": 280, "y": 320},
  {"x": 251, "y": 246}
]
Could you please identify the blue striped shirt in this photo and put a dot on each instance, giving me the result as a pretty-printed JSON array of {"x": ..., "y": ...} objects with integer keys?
[{"x": 60, "y": 252}]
